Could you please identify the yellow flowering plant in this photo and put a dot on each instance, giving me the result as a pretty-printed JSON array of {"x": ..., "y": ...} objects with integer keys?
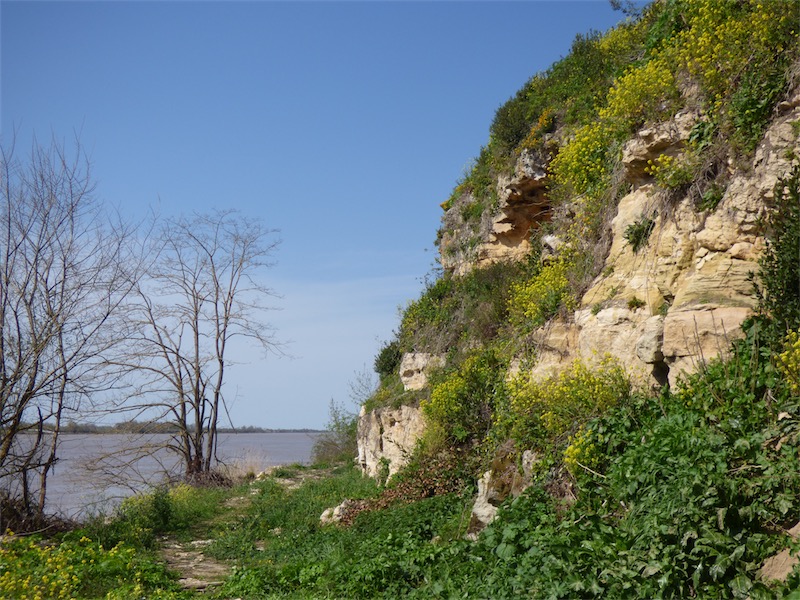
[
  {"x": 788, "y": 361},
  {"x": 37, "y": 569},
  {"x": 535, "y": 300},
  {"x": 540, "y": 413},
  {"x": 581, "y": 452}
]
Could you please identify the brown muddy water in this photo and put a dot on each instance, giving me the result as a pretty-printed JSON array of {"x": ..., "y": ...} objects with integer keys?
[{"x": 96, "y": 471}]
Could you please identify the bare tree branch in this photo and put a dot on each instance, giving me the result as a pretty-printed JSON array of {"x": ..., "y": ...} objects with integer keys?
[
  {"x": 202, "y": 290},
  {"x": 63, "y": 274}
]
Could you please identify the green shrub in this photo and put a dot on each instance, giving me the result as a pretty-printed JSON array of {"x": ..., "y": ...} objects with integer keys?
[
  {"x": 711, "y": 197},
  {"x": 431, "y": 310},
  {"x": 635, "y": 303},
  {"x": 752, "y": 103},
  {"x": 461, "y": 405},
  {"x": 472, "y": 211},
  {"x": 141, "y": 519},
  {"x": 541, "y": 413},
  {"x": 478, "y": 181},
  {"x": 388, "y": 359},
  {"x": 637, "y": 234},
  {"x": 339, "y": 441},
  {"x": 702, "y": 134},
  {"x": 779, "y": 266},
  {"x": 734, "y": 393},
  {"x": 511, "y": 124},
  {"x": 430, "y": 472}
]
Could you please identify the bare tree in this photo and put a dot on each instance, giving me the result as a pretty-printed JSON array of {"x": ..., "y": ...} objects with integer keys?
[
  {"x": 202, "y": 291},
  {"x": 61, "y": 280}
]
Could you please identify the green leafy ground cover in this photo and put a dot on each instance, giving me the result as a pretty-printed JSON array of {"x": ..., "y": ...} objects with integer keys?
[
  {"x": 111, "y": 557},
  {"x": 687, "y": 493}
]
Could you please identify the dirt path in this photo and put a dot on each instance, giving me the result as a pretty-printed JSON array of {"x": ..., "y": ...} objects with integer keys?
[{"x": 199, "y": 572}]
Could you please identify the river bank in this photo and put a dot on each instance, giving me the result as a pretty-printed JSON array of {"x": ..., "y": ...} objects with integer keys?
[
  {"x": 96, "y": 471},
  {"x": 171, "y": 544}
]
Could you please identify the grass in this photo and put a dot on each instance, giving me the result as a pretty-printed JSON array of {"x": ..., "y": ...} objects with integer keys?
[
  {"x": 114, "y": 556},
  {"x": 281, "y": 550}
]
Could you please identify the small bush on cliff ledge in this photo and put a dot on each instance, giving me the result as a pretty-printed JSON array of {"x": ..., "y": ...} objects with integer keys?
[
  {"x": 779, "y": 272},
  {"x": 461, "y": 405},
  {"x": 540, "y": 413},
  {"x": 637, "y": 234},
  {"x": 388, "y": 360}
]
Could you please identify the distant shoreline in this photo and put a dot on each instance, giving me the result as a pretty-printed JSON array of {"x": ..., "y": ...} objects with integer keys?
[
  {"x": 144, "y": 427},
  {"x": 243, "y": 430}
]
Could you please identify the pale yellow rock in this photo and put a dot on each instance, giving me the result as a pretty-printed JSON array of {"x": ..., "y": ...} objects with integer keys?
[
  {"x": 387, "y": 436},
  {"x": 556, "y": 347},
  {"x": 504, "y": 234},
  {"x": 414, "y": 369},
  {"x": 693, "y": 337},
  {"x": 717, "y": 279},
  {"x": 651, "y": 142},
  {"x": 779, "y": 566},
  {"x": 613, "y": 332},
  {"x": 651, "y": 341},
  {"x": 483, "y": 511},
  {"x": 696, "y": 265},
  {"x": 522, "y": 204}
]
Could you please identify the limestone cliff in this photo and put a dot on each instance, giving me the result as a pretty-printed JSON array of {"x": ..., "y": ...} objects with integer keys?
[
  {"x": 503, "y": 232},
  {"x": 617, "y": 210},
  {"x": 634, "y": 206},
  {"x": 386, "y": 438},
  {"x": 660, "y": 311},
  {"x": 681, "y": 299}
]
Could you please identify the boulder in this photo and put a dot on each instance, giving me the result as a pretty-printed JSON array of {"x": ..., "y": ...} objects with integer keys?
[
  {"x": 332, "y": 516},
  {"x": 694, "y": 336},
  {"x": 386, "y": 437},
  {"x": 414, "y": 367},
  {"x": 502, "y": 481}
]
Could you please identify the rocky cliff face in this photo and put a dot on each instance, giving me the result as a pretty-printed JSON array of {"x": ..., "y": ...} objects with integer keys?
[
  {"x": 679, "y": 300},
  {"x": 503, "y": 232},
  {"x": 693, "y": 279},
  {"x": 661, "y": 311},
  {"x": 386, "y": 438}
]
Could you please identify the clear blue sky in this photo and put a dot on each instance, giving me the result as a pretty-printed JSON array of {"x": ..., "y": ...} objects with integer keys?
[{"x": 343, "y": 124}]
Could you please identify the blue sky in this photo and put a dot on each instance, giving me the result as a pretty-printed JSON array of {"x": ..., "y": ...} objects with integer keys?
[{"x": 342, "y": 124}]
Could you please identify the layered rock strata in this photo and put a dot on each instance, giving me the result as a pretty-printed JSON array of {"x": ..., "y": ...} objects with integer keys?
[{"x": 681, "y": 299}]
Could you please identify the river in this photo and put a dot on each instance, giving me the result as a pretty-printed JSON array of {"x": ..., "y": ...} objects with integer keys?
[{"x": 95, "y": 471}]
